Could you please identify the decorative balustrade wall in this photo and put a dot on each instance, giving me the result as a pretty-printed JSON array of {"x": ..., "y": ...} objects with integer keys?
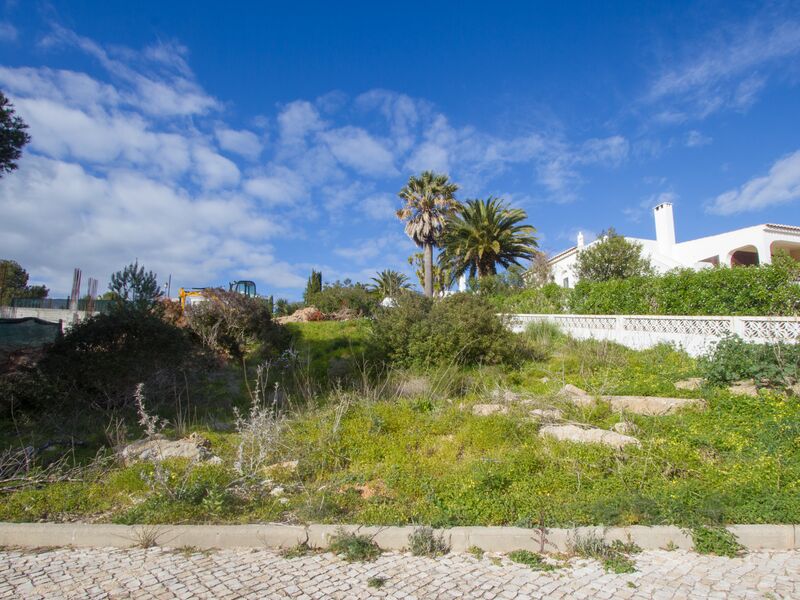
[{"x": 696, "y": 335}]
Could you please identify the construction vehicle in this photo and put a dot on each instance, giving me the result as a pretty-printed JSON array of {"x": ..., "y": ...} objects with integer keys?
[{"x": 194, "y": 295}]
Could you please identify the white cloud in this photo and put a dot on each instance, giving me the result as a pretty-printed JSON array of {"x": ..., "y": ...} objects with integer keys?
[
  {"x": 214, "y": 170},
  {"x": 242, "y": 142},
  {"x": 695, "y": 139},
  {"x": 780, "y": 186},
  {"x": 8, "y": 33},
  {"x": 355, "y": 148},
  {"x": 380, "y": 207},
  {"x": 720, "y": 73},
  {"x": 610, "y": 151},
  {"x": 281, "y": 187},
  {"x": 297, "y": 120},
  {"x": 644, "y": 208}
]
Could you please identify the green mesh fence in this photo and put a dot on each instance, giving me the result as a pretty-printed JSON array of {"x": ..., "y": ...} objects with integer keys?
[{"x": 27, "y": 333}]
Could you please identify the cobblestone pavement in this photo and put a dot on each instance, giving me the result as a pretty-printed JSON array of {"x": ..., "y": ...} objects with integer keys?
[{"x": 162, "y": 574}]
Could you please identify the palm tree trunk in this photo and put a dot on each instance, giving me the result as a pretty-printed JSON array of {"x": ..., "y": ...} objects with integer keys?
[{"x": 428, "y": 266}]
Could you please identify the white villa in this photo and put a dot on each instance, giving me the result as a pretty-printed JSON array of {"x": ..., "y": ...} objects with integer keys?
[{"x": 749, "y": 246}]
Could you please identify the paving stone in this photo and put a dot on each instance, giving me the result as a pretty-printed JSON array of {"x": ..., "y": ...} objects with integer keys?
[{"x": 168, "y": 575}]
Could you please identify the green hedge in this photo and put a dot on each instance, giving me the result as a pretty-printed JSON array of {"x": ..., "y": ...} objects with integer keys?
[{"x": 765, "y": 290}]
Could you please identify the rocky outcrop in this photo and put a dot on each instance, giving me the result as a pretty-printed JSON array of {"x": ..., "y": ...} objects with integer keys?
[
  {"x": 194, "y": 448},
  {"x": 575, "y": 395},
  {"x": 588, "y": 435},
  {"x": 640, "y": 405},
  {"x": 692, "y": 384},
  {"x": 546, "y": 414},
  {"x": 746, "y": 387},
  {"x": 484, "y": 410},
  {"x": 652, "y": 406}
]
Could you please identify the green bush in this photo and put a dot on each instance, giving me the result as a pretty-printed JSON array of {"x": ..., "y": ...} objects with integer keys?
[
  {"x": 423, "y": 541},
  {"x": 462, "y": 328},
  {"x": 765, "y": 290},
  {"x": 344, "y": 296},
  {"x": 734, "y": 359},
  {"x": 716, "y": 540},
  {"x": 101, "y": 359},
  {"x": 354, "y": 547},
  {"x": 548, "y": 299}
]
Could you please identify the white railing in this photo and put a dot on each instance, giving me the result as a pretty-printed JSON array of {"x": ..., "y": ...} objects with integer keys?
[{"x": 696, "y": 335}]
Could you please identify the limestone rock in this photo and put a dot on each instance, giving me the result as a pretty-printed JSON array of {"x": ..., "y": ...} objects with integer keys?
[
  {"x": 484, "y": 410},
  {"x": 158, "y": 448},
  {"x": 692, "y": 384},
  {"x": 746, "y": 387},
  {"x": 546, "y": 414},
  {"x": 575, "y": 395},
  {"x": 503, "y": 395},
  {"x": 589, "y": 435},
  {"x": 624, "y": 427},
  {"x": 652, "y": 406}
]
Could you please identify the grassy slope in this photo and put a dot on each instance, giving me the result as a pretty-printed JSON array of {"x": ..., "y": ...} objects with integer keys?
[{"x": 429, "y": 460}]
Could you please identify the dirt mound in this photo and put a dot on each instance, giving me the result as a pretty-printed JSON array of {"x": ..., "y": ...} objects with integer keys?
[{"x": 303, "y": 315}]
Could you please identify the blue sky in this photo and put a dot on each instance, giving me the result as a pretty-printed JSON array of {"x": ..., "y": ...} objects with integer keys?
[{"x": 261, "y": 140}]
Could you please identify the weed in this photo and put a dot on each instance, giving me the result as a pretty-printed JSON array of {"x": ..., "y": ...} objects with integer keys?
[
  {"x": 376, "y": 582},
  {"x": 423, "y": 541},
  {"x": 716, "y": 540},
  {"x": 296, "y": 551},
  {"x": 476, "y": 551},
  {"x": 354, "y": 547},
  {"x": 671, "y": 546},
  {"x": 533, "y": 560},
  {"x": 146, "y": 536},
  {"x": 614, "y": 557}
]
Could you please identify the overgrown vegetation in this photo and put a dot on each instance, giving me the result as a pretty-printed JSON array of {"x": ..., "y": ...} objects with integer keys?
[
  {"x": 326, "y": 433},
  {"x": 354, "y": 547},
  {"x": 424, "y": 541},
  {"x": 461, "y": 329},
  {"x": 531, "y": 559},
  {"x": 764, "y": 290},
  {"x": 716, "y": 540},
  {"x": 615, "y": 557},
  {"x": 768, "y": 364}
]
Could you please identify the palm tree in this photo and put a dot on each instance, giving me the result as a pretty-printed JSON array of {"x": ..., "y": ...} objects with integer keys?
[
  {"x": 429, "y": 201},
  {"x": 484, "y": 234},
  {"x": 390, "y": 283}
]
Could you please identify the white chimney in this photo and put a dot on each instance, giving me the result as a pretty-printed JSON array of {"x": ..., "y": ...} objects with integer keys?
[
  {"x": 665, "y": 227},
  {"x": 580, "y": 240}
]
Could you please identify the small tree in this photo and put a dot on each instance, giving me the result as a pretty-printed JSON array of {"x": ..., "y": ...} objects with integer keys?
[
  {"x": 313, "y": 286},
  {"x": 539, "y": 272},
  {"x": 14, "y": 283},
  {"x": 134, "y": 288},
  {"x": 612, "y": 257},
  {"x": 13, "y": 136}
]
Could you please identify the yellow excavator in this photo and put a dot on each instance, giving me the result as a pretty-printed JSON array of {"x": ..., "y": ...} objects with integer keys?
[{"x": 194, "y": 295}]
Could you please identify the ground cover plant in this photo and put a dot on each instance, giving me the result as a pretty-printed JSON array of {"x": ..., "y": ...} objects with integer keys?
[{"x": 401, "y": 444}]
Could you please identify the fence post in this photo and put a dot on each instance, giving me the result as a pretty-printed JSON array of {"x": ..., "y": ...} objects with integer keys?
[{"x": 737, "y": 326}]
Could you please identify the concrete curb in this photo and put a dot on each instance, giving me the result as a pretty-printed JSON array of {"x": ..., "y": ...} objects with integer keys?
[{"x": 490, "y": 539}]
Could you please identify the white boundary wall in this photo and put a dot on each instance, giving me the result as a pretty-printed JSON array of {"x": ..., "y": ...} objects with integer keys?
[{"x": 695, "y": 335}]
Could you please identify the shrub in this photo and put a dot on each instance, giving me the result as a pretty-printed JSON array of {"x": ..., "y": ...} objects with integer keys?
[
  {"x": 354, "y": 547},
  {"x": 102, "y": 359},
  {"x": 547, "y": 299},
  {"x": 349, "y": 296},
  {"x": 614, "y": 557},
  {"x": 716, "y": 540},
  {"x": 423, "y": 541},
  {"x": 765, "y": 290},
  {"x": 462, "y": 328},
  {"x": 232, "y": 323},
  {"x": 734, "y": 359}
]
